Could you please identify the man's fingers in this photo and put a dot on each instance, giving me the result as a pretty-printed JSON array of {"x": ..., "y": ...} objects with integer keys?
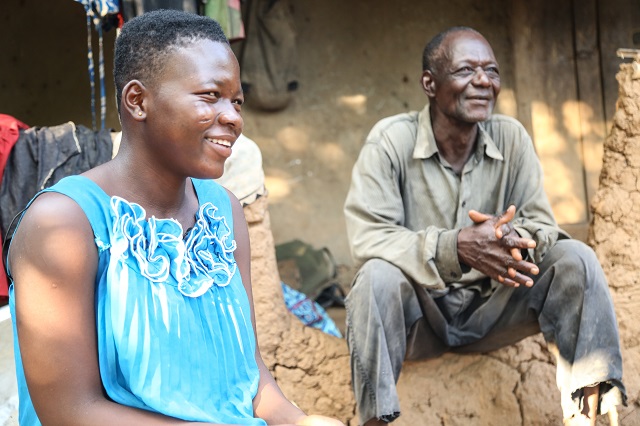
[
  {"x": 513, "y": 241},
  {"x": 517, "y": 274},
  {"x": 507, "y": 281},
  {"x": 516, "y": 254},
  {"x": 478, "y": 217},
  {"x": 504, "y": 229},
  {"x": 516, "y": 280},
  {"x": 523, "y": 279},
  {"x": 506, "y": 217},
  {"x": 524, "y": 267}
]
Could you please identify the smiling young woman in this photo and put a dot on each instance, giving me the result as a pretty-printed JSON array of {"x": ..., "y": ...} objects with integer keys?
[{"x": 120, "y": 314}]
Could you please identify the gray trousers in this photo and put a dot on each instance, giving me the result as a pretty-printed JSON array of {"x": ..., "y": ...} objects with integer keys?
[{"x": 390, "y": 319}]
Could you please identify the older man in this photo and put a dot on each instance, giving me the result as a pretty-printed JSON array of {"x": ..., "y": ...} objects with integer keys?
[{"x": 459, "y": 248}]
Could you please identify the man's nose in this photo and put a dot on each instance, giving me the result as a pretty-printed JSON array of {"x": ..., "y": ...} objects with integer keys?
[{"x": 480, "y": 77}]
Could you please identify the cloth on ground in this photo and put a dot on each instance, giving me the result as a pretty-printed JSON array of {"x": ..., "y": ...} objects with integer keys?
[
  {"x": 44, "y": 155},
  {"x": 309, "y": 312}
]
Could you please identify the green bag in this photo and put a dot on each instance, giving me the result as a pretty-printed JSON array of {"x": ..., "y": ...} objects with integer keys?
[{"x": 316, "y": 267}]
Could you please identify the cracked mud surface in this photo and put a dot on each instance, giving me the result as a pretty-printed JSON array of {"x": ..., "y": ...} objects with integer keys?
[
  {"x": 615, "y": 232},
  {"x": 311, "y": 367}
]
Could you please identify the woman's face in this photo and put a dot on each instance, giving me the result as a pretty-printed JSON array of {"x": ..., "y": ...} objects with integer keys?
[{"x": 193, "y": 110}]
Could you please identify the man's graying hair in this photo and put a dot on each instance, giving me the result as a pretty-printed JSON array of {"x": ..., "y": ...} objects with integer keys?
[
  {"x": 146, "y": 40},
  {"x": 431, "y": 53}
]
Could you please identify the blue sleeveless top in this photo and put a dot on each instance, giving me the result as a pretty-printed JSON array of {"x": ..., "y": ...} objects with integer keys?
[{"x": 173, "y": 317}]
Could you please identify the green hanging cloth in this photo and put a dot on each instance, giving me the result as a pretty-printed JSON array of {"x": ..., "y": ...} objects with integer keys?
[{"x": 228, "y": 14}]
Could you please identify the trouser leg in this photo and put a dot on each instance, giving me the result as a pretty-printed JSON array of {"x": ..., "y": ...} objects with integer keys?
[
  {"x": 381, "y": 307},
  {"x": 571, "y": 304},
  {"x": 578, "y": 318}
]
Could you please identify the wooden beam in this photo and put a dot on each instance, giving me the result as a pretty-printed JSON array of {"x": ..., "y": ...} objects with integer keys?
[
  {"x": 590, "y": 92},
  {"x": 547, "y": 93}
]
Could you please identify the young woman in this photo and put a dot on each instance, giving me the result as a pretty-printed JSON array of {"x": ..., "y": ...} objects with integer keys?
[{"x": 131, "y": 289}]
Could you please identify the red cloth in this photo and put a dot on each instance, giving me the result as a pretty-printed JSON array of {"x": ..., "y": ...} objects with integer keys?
[{"x": 9, "y": 134}]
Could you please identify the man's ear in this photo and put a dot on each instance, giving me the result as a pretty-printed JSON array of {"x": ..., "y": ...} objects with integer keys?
[
  {"x": 133, "y": 100},
  {"x": 428, "y": 83}
]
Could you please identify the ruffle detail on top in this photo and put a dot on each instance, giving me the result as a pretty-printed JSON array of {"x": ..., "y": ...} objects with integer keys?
[{"x": 162, "y": 256}]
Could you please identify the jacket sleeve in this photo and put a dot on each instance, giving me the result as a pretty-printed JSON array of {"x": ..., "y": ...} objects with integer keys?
[
  {"x": 374, "y": 212},
  {"x": 534, "y": 217}
]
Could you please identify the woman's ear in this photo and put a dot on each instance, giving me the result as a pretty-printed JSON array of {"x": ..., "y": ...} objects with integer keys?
[
  {"x": 133, "y": 100},
  {"x": 428, "y": 83}
]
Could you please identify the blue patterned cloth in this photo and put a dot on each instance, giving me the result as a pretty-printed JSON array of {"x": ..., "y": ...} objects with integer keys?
[
  {"x": 309, "y": 312},
  {"x": 173, "y": 318}
]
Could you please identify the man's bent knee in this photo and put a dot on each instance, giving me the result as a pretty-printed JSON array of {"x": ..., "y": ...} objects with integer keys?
[
  {"x": 577, "y": 262},
  {"x": 379, "y": 277},
  {"x": 573, "y": 252}
]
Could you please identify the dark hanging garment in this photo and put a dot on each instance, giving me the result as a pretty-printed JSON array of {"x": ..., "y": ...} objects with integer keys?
[
  {"x": 44, "y": 155},
  {"x": 133, "y": 8},
  {"x": 269, "y": 69}
]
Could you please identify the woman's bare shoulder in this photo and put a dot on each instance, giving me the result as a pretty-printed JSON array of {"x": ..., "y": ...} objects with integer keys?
[{"x": 54, "y": 233}]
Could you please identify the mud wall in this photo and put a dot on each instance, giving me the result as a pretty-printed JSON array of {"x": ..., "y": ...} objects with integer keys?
[
  {"x": 359, "y": 62},
  {"x": 615, "y": 234}
]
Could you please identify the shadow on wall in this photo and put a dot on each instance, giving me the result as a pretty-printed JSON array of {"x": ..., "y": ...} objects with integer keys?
[{"x": 564, "y": 145}]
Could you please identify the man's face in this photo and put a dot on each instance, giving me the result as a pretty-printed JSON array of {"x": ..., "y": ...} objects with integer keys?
[
  {"x": 465, "y": 83},
  {"x": 194, "y": 108}
]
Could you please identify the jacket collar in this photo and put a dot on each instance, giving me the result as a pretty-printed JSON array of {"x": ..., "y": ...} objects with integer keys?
[{"x": 426, "y": 141}]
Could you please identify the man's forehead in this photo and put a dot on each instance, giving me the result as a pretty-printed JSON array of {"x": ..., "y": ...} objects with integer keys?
[
  {"x": 463, "y": 43},
  {"x": 461, "y": 37}
]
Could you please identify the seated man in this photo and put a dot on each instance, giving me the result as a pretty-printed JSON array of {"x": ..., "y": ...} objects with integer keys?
[{"x": 460, "y": 251}]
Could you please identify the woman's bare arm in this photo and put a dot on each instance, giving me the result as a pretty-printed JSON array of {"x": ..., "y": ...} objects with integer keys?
[{"x": 53, "y": 261}]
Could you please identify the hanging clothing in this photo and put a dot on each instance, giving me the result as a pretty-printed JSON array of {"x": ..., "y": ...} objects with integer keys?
[
  {"x": 133, "y": 8},
  {"x": 104, "y": 15},
  {"x": 9, "y": 134},
  {"x": 44, "y": 155},
  {"x": 228, "y": 14},
  {"x": 269, "y": 70}
]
